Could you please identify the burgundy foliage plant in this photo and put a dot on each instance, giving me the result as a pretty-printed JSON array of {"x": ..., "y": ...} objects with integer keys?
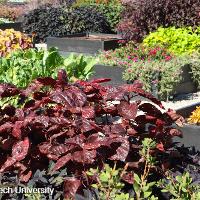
[{"x": 79, "y": 126}]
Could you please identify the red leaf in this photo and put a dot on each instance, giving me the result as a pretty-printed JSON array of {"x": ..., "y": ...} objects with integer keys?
[
  {"x": 175, "y": 132},
  {"x": 84, "y": 156},
  {"x": 16, "y": 132},
  {"x": 8, "y": 90},
  {"x": 5, "y": 128},
  {"x": 20, "y": 149},
  {"x": 88, "y": 112},
  {"x": 160, "y": 147},
  {"x": 61, "y": 162},
  {"x": 122, "y": 151},
  {"x": 71, "y": 186},
  {"x": 126, "y": 110}
]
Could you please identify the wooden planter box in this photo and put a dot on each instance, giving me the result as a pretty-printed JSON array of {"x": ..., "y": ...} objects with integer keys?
[
  {"x": 17, "y": 26},
  {"x": 191, "y": 133},
  {"x": 81, "y": 43},
  {"x": 112, "y": 72}
]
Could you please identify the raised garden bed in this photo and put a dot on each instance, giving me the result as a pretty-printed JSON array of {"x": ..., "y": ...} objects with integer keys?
[
  {"x": 191, "y": 133},
  {"x": 84, "y": 43},
  {"x": 112, "y": 72},
  {"x": 17, "y": 26}
]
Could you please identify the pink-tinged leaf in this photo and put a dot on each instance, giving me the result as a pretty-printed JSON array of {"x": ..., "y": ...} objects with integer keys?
[
  {"x": 20, "y": 149},
  {"x": 19, "y": 114},
  {"x": 126, "y": 110},
  {"x": 88, "y": 125},
  {"x": 25, "y": 177},
  {"x": 178, "y": 119},
  {"x": 71, "y": 186},
  {"x": 128, "y": 177},
  {"x": 8, "y": 90},
  {"x": 33, "y": 87},
  {"x": 88, "y": 112},
  {"x": 17, "y": 129},
  {"x": 62, "y": 78},
  {"x": 44, "y": 147},
  {"x": 5, "y": 128},
  {"x": 113, "y": 93},
  {"x": 9, "y": 162},
  {"x": 117, "y": 129},
  {"x": 100, "y": 80},
  {"x": 122, "y": 151},
  {"x": 61, "y": 162},
  {"x": 160, "y": 147},
  {"x": 85, "y": 156},
  {"x": 175, "y": 132},
  {"x": 63, "y": 148}
]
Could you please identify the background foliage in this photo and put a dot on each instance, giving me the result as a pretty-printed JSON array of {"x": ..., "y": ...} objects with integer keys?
[
  {"x": 60, "y": 21},
  {"x": 142, "y": 17}
]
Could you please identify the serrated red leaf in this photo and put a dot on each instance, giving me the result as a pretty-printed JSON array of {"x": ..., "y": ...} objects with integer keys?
[
  {"x": 17, "y": 129},
  {"x": 19, "y": 152},
  {"x": 61, "y": 162},
  {"x": 88, "y": 112},
  {"x": 5, "y": 128},
  {"x": 71, "y": 186},
  {"x": 122, "y": 151},
  {"x": 126, "y": 110}
]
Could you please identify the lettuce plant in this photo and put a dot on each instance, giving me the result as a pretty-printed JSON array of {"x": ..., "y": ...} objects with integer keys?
[{"x": 80, "y": 126}]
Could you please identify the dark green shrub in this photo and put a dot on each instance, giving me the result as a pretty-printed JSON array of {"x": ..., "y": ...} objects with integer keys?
[
  {"x": 110, "y": 9},
  {"x": 142, "y": 17},
  {"x": 60, "y": 21}
]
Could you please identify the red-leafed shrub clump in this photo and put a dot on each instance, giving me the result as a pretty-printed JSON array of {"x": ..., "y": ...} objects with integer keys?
[
  {"x": 79, "y": 126},
  {"x": 141, "y": 17}
]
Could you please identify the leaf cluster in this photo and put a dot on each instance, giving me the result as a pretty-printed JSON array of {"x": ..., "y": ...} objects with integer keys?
[
  {"x": 142, "y": 17},
  {"x": 79, "y": 126},
  {"x": 179, "y": 41},
  {"x": 11, "y": 40},
  {"x": 63, "y": 20}
]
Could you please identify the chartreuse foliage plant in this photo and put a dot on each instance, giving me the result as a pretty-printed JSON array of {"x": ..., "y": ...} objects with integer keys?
[
  {"x": 177, "y": 40},
  {"x": 74, "y": 124},
  {"x": 11, "y": 40}
]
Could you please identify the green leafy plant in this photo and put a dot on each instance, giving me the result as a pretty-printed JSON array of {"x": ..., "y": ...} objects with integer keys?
[
  {"x": 142, "y": 187},
  {"x": 164, "y": 74},
  {"x": 177, "y": 40},
  {"x": 79, "y": 66},
  {"x": 180, "y": 187},
  {"x": 110, "y": 9},
  {"x": 109, "y": 183},
  {"x": 24, "y": 66}
]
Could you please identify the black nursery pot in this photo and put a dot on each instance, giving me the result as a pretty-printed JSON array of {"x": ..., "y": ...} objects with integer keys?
[
  {"x": 191, "y": 133},
  {"x": 17, "y": 26}
]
